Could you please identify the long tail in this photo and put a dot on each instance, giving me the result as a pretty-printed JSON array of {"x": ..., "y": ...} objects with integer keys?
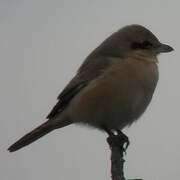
[{"x": 35, "y": 134}]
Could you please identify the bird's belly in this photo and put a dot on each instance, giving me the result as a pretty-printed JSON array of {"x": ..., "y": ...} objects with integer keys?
[
  {"x": 112, "y": 101},
  {"x": 127, "y": 109},
  {"x": 114, "y": 107}
]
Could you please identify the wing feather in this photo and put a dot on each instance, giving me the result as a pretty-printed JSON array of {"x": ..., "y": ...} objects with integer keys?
[{"x": 89, "y": 70}]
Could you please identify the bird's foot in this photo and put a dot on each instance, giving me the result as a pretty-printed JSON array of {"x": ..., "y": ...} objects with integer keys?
[
  {"x": 119, "y": 140},
  {"x": 124, "y": 139}
]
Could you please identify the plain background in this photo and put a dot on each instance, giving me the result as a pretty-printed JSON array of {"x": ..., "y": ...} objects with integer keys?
[{"x": 42, "y": 43}]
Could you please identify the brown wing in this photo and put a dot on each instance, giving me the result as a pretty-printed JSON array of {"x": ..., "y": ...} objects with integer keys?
[{"x": 89, "y": 70}]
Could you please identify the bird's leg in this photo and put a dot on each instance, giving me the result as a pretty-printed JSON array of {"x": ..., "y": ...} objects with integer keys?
[
  {"x": 124, "y": 138},
  {"x": 120, "y": 139},
  {"x": 109, "y": 132}
]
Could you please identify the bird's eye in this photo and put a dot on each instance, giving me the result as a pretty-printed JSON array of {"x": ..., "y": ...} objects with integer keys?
[
  {"x": 143, "y": 45},
  {"x": 146, "y": 45},
  {"x": 136, "y": 45}
]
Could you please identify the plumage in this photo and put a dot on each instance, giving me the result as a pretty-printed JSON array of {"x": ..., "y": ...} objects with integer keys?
[{"x": 111, "y": 89}]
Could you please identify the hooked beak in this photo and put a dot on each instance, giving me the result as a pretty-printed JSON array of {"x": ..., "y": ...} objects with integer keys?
[{"x": 163, "y": 48}]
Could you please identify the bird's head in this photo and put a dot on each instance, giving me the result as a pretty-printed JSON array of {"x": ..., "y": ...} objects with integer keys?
[{"x": 131, "y": 40}]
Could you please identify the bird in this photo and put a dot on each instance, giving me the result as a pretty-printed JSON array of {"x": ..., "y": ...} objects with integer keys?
[{"x": 111, "y": 89}]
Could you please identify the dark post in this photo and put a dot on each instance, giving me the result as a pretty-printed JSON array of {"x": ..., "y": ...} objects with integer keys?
[{"x": 118, "y": 145}]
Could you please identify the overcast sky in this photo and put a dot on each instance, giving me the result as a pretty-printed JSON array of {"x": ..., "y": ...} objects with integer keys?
[{"x": 42, "y": 43}]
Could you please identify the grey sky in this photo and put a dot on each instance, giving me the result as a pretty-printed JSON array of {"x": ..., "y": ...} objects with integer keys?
[{"x": 42, "y": 43}]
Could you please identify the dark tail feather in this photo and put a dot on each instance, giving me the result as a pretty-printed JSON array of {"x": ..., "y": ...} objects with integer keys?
[{"x": 32, "y": 136}]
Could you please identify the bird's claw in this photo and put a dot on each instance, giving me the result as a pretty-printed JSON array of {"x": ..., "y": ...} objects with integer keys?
[
  {"x": 119, "y": 140},
  {"x": 124, "y": 139}
]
